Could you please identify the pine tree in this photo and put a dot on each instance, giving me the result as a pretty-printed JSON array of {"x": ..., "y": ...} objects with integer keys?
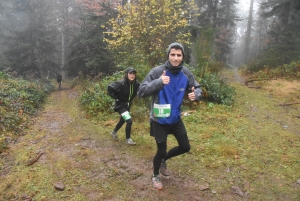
[
  {"x": 221, "y": 16},
  {"x": 283, "y": 36},
  {"x": 87, "y": 51},
  {"x": 29, "y": 47}
]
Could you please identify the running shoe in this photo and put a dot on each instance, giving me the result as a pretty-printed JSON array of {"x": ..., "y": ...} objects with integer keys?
[
  {"x": 156, "y": 183},
  {"x": 163, "y": 169},
  {"x": 114, "y": 135},
  {"x": 129, "y": 141}
]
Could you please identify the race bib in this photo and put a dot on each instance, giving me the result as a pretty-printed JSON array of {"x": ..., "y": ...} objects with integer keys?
[
  {"x": 161, "y": 110},
  {"x": 126, "y": 115}
]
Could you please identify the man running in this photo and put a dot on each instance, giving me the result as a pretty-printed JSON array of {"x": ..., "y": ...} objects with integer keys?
[{"x": 168, "y": 84}]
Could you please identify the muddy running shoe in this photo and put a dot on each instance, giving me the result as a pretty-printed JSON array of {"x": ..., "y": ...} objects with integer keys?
[
  {"x": 129, "y": 141},
  {"x": 163, "y": 169},
  {"x": 114, "y": 135},
  {"x": 156, "y": 183}
]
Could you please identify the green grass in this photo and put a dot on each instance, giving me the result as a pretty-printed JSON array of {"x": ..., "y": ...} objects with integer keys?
[{"x": 256, "y": 149}]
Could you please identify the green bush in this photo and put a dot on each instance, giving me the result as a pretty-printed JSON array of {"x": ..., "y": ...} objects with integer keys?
[
  {"x": 94, "y": 98},
  {"x": 289, "y": 71},
  {"x": 215, "y": 89},
  {"x": 18, "y": 100},
  {"x": 3, "y": 75}
]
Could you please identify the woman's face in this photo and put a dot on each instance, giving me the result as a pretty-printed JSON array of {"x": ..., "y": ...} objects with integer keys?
[{"x": 131, "y": 76}]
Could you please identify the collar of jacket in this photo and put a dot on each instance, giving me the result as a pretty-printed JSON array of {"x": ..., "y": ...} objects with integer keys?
[{"x": 173, "y": 69}]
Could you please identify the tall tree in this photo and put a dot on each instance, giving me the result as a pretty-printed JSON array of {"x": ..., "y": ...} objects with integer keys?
[
  {"x": 144, "y": 28},
  {"x": 283, "y": 35},
  {"x": 221, "y": 16},
  {"x": 1, "y": 34},
  {"x": 64, "y": 16},
  {"x": 29, "y": 42},
  {"x": 261, "y": 27},
  {"x": 87, "y": 51},
  {"x": 248, "y": 32},
  {"x": 227, "y": 30}
]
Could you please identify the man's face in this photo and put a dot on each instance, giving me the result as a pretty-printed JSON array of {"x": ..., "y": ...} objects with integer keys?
[
  {"x": 131, "y": 76},
  {"x": 175, "y": 57}
]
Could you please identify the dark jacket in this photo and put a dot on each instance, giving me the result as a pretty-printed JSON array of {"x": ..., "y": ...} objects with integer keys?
[
  {"x": 59, "y": 78},
  {"x": 123, "y": 92}
]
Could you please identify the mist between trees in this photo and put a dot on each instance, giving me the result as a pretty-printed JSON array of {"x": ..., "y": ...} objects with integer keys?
[{"x": 43, "y": 38}]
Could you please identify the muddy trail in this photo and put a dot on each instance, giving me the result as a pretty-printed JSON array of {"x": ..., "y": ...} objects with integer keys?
[{"x": 74, "y": 158}]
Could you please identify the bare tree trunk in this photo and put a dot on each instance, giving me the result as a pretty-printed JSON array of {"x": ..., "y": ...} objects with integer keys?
[
  {"x": 248, "y": 33},
  {"x": 63, "y": 47},
  {"x": 215, "y": 7},
  {"x": 230, "y": 29},
  {"x": 287, "y": 14},
  {"x": 62, "y": 51},
  {"x": 259, "y": 35},
  {"x": 292, "y": 12}
]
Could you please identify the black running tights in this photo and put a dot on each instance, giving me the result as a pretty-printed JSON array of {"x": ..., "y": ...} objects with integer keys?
[
  {"x": 127, "y": 128},
  {"x": 184, "y": 146}
]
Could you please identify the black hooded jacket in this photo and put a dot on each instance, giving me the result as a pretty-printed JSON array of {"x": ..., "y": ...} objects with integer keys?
[{"x": 123, "y": 92}]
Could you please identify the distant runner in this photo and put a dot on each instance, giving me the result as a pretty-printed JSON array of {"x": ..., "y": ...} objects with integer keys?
[{"x": 59, "y": 80}]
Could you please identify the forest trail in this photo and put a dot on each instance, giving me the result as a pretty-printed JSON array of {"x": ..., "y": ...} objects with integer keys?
[{"x": 80, "y": 157}]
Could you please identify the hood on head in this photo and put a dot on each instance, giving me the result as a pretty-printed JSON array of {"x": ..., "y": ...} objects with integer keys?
[{"x": 130, "y": 70}]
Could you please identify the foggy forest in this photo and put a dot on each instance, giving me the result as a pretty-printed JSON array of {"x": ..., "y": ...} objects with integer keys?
[
  {"x": 48, "y": 37},
  {"x": 60, "y": 60}
]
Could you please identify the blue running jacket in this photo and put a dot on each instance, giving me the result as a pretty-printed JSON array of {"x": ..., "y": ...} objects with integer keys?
[{"x": 172, "y": 93}]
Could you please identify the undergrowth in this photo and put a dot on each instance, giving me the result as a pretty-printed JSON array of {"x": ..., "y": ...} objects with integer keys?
[
  {"x": 286, "y": 71},
  {"x": 19, "y": 99}
]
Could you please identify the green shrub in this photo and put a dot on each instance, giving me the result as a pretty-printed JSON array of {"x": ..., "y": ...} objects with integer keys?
[
  {"x": 3, "y": 75},
  {"x": 94, "y": 98},
  {"x": 18, "y": 100},
  {"x": 215, "y": 89},
  {"x": 289, "y": 71}
]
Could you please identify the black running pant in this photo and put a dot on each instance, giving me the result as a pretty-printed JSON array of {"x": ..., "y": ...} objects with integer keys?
[
  {"x": 179, "y": 132},
  {"x": 122, "y": 121}
]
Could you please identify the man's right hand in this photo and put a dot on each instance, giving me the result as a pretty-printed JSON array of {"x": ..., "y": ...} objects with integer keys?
[{"x": 165, "y": 78}]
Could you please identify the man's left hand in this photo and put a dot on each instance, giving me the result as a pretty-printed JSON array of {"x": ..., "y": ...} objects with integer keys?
[{"x": 192, "y": 95}]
